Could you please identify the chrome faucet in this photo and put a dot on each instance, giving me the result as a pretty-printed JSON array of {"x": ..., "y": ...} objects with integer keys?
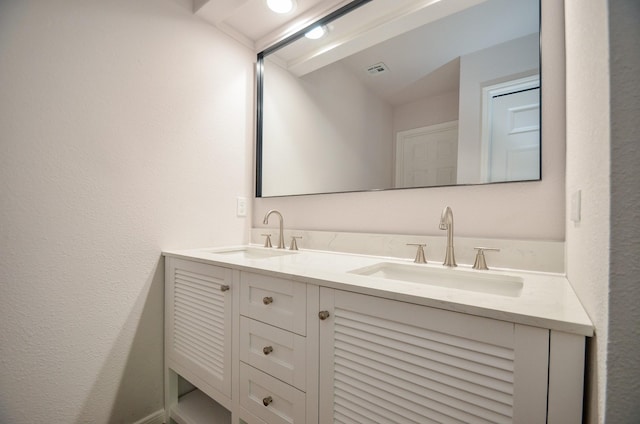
[
  {"x": 265, "y": 221},
  {"x": 446, "y": 223}
]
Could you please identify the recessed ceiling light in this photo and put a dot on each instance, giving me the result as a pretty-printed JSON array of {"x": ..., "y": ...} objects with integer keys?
[
  {"x": 281, "y": 6},
  {"x": 316, "y": 32}
]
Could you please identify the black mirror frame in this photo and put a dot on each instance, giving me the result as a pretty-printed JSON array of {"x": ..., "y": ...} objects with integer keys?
[{"x": 260, "y": 77}]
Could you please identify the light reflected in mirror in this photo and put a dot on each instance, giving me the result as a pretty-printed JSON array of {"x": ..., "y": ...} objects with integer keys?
[{"x": 402, "y": 103}]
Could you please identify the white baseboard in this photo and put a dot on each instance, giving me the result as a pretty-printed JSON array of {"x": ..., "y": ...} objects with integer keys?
[{"x": 155, "y": 418}]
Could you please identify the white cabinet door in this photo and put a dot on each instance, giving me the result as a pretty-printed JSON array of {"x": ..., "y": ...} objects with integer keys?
[
  {"x": 384, "y": 361},
  {"x": 198, "y": 323}
]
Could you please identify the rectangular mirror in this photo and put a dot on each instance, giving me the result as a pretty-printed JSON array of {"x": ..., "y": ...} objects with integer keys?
[{"x": 402, "y": 94}]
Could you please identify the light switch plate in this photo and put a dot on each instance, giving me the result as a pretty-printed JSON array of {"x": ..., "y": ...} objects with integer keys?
[{"x": 241, "y": 206}]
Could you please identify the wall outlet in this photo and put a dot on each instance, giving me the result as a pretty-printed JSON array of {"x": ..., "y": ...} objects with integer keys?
[{"x": 241, "y": 206}]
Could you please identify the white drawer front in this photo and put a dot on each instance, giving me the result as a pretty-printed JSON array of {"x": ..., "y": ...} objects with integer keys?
[
  {"x": 277, "y": 352},
  {"x": 275, "y": 301},
  {"x": 269, "y": 398}
]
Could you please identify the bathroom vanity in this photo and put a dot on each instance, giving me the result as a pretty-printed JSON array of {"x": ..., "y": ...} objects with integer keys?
[{"x": 275, "y": 336}]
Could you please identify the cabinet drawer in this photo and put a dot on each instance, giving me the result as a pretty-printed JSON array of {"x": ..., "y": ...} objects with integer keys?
[
  {"x": 270, "y": 399},
  {"x": 277, "y": 352},
  {"x": 276, "y": 301}
]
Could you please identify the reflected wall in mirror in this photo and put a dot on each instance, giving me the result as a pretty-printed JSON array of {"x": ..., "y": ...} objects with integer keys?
[{"x": 403, "y": 94}]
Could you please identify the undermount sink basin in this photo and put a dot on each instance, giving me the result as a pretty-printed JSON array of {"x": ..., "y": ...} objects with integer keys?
[
  {"x": 476, "y": 281},
  {"x": 252, "y": 252}
]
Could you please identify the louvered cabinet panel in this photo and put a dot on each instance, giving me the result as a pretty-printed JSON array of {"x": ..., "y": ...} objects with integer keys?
[
  {"x": 198, "y": 321},
  {"x": 384, "y": 361}
]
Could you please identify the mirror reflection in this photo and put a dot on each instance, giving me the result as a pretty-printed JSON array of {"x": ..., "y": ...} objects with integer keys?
[{"x": 448, "y": 94}]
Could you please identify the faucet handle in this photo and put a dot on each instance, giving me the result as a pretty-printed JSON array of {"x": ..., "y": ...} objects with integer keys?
[
  {"x": 480, "y": 263},
  {"x": 267, "y": 242},
  {"x": 420, "y": 258},
  {"x": 294, "y": 244}
]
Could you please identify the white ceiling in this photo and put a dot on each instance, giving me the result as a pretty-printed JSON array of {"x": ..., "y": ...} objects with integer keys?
[
  {"x": 425, "y": 61},
  {"x": 422, "y": 58},
  {"x": 253, "y": 24}
]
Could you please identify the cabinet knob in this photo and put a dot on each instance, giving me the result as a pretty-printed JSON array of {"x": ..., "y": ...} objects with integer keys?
[
  {"x": 267, "y": 350},
  {"x": 267, "y": 300},
  {"x": 267, "y": 401},
  {"x": 224, "y": 288},
  {"x": 323, "y": 315}
]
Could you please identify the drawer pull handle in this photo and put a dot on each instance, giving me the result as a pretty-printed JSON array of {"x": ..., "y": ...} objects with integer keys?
[
  {"x": 266, "y": 401},
  {"x": 224, "y": 288},
  {"x": 267, "y": 350},
  {"x": 323, "y": 315},
  {"x": 267, "y": 300}
]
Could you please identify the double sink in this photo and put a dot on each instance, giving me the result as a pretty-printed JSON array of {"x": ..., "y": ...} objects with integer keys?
[{"x": 452, "y": 278}]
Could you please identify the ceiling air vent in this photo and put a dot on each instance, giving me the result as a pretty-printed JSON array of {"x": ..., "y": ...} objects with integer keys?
[{"x": 377, "y": 69}]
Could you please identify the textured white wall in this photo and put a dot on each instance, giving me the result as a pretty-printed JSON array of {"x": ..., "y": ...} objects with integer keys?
[
  {"x": 531, "y": 210},
  {"x": 588, "y": 145},
  {"x": 125, "y": 128},
  {"x": 426, "y": 111},
  {"x": 623, "y": 364}
]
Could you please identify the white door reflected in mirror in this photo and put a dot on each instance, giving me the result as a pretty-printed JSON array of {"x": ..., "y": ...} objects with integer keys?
[
  {"x": 427, "y": 156},
  {"x": 515, "y": 137},
  {"x": 511, "y": 134}
]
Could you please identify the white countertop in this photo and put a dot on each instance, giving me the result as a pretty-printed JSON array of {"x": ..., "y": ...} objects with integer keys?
[{"x": 546, "y": 300}]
